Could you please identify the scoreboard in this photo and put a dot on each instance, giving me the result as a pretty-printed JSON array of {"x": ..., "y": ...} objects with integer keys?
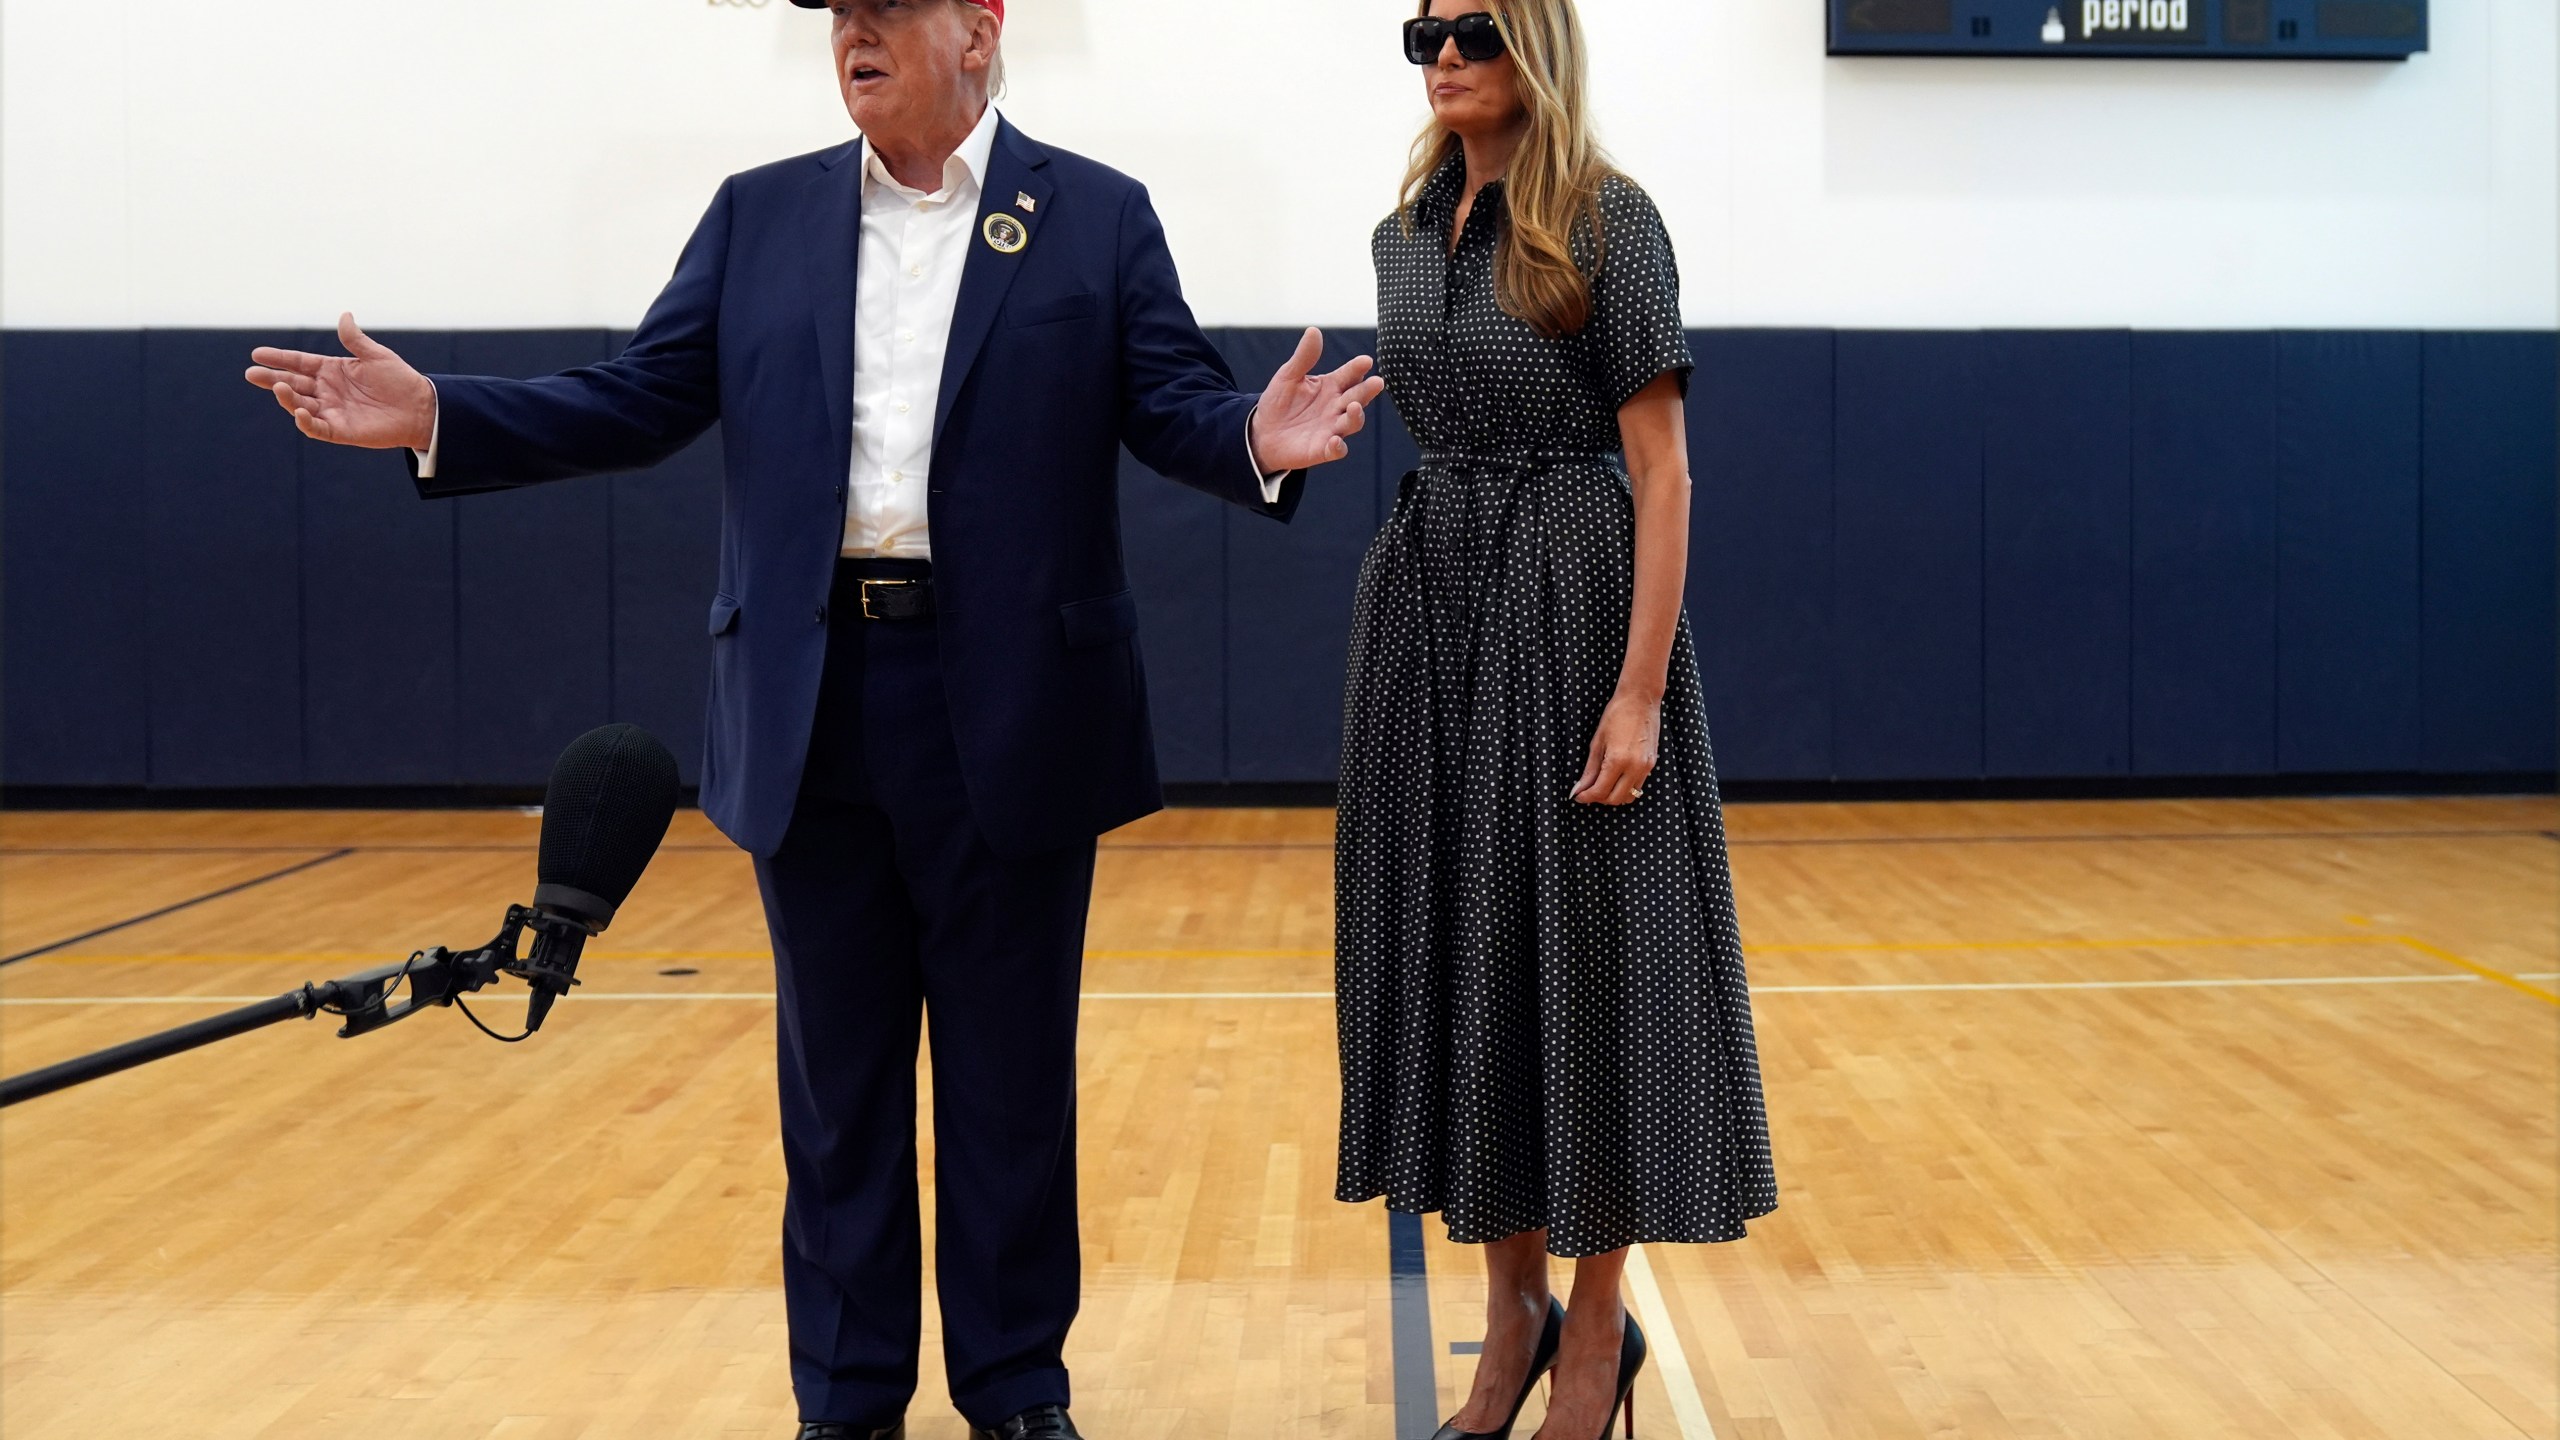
[{"x": 2128, "y": 29}]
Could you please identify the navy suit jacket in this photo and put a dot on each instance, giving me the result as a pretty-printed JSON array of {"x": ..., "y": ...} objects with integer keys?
[{"x": 1060, "y": 354}]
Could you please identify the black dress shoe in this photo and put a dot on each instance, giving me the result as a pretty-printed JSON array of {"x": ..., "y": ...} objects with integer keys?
[
  {"x": 1040, "y": 1422},
  {"x": 831, "y": 1430}
]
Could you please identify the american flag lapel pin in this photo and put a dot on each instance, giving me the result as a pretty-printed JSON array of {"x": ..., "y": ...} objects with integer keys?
[{"x": 1025, "y": 201}]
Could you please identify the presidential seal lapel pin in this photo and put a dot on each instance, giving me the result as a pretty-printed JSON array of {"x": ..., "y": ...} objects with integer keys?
[
  {"x": 1023, "y": 199},
  {"x": 1005, "y": 234}
]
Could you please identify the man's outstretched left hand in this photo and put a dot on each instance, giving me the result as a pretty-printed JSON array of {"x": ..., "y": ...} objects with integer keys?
[{"x": 1307, "y": 419}]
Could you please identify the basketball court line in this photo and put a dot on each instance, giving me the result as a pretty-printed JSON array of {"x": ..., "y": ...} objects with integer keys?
[
  {"x": 1670, "y": 1355},
  {"x": 1414, "y": 1360},
  {"x": 1856, "y": 947},
  {"x": 324, "y": 958},
  {"x": 2234, "y": 982},
  {"x": 2512, "y": 982},
  {"x": 1731, "y": 842},
  {"x": 1417, "y": 1375},
  {"x": 174, "y": 909}
]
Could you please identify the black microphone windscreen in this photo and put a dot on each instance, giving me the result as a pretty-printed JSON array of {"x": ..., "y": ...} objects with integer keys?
[{"x": 611, "y": 797}]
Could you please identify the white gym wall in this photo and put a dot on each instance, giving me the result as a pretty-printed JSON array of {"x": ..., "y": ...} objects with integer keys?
[{"x": 493, "y": 163}]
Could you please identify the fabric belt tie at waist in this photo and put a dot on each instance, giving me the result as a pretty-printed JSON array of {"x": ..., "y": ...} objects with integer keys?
[
  {"x": 871, "y": 589},
  {"x": 1611, "y": 458}
]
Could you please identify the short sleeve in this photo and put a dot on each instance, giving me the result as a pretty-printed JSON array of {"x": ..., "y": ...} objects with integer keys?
[{"x": 1633, "y": 336}]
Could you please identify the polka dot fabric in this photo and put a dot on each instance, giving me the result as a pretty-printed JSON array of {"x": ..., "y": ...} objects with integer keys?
[{"x": 1544, "y": 1017}]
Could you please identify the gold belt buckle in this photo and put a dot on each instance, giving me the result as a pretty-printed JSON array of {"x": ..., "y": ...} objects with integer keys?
[{"x": 867, "y": 612}]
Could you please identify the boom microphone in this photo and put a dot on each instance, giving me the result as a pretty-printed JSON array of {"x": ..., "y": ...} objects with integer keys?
[
  {"x": 611, "y": 797},
  {"x": 612, "y": 794}
]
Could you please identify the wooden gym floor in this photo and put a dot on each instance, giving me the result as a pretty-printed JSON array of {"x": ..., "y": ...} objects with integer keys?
[{"x": 2092, "y": 1120}]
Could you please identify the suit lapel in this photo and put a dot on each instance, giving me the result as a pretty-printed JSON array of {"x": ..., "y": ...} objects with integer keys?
[
  {"x": 1014, "y": 168},
  {"x": 833, "y": 218}
]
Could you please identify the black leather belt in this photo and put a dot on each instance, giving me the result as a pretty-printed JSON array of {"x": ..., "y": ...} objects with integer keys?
[{"x": 885, "y": 589}]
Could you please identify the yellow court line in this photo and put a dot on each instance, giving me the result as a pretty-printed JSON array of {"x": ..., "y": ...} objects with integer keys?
[
  {"x": 381, "y": 957},
  {"x": 2438, "y": 952},
  {"x": 2065, "y": 942},
  {"x": 1243, "y": 954},
  {"x": 2431, "y": 977},
  {"x": 2214, "y": 942},
  {"x": 324, "y": 959},
  {"x": 2059, "y": 942}
]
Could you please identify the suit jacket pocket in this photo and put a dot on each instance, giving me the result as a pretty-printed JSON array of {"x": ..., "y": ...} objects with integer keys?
[
  {"x": 1057, "y": 307},
  {"x": 1099, "y": 621}
]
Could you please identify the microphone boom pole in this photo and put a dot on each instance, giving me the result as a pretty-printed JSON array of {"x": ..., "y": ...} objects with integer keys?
[
  {"x": 612, "y": 794},
  {"x": 153, "y": 1047},
  {"x": 433, "y": 977}
]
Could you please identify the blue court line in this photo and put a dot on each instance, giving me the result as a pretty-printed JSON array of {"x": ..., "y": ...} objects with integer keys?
[
  {"x": 1417, "y": 1382},
  {"x": 174, "y": 909}
]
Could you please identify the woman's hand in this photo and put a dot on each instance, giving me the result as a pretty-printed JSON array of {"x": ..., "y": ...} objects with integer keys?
[{"x": 1622, "y": 751}]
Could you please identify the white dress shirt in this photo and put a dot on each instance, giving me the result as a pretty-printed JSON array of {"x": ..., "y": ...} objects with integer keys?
[{"x": 914, "y": 248}]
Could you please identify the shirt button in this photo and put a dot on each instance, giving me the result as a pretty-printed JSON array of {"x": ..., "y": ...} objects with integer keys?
[
  {"x": 916, "y": 271},
  {"x": 897, "y": 477},
  {"x": 902, "y": 407},
  {"x": 907, "y": 335}
]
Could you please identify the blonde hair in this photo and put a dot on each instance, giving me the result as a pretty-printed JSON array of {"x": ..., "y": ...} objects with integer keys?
[{"x": 1552, "y": 187}]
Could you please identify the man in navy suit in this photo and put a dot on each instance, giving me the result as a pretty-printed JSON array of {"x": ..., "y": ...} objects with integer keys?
[{"x": 925, "y": 350}]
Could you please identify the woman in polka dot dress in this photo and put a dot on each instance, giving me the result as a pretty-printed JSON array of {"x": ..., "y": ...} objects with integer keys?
[{"x": 1545, "y": 1027}]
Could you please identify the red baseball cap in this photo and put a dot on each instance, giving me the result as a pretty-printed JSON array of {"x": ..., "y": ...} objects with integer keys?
[{"x": 995, "y": 7}]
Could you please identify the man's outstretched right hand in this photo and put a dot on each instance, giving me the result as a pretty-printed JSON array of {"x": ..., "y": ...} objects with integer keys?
[{"x": 368, "y": 397}]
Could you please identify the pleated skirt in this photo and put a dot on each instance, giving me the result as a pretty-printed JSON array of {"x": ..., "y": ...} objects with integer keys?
[{"x": 1544, "y": 1017}]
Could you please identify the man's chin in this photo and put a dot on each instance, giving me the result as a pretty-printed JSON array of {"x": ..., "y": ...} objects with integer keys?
[{"x": 868, "y": 106}]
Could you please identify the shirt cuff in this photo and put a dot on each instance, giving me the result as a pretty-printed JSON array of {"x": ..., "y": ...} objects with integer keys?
[
  {"x": 1272, "y": 480},
  {"x": 435, "y": 438}
]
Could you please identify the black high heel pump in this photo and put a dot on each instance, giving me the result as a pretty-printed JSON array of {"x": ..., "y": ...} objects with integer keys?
[
  {"x": 1540, "y": 1363},
  {"x": 1631, "y": 1353}
]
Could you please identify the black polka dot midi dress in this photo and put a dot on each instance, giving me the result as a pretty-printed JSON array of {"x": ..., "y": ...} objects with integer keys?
[{"x": 1544, "y": 1018}]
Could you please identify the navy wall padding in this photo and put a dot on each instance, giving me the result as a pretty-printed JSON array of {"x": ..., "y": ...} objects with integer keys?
[
  {"x": 1929, "y": 556},
  {"x": 536, "y": 649},
  {"x": 1289, "y": 590},
  {"x": 73, "y": 708},
  {"x": 1907, "y": 558},
  {"x": 223, "y": 532},
  {"x": 2057, "y": 552},
  {"x": 1760, "y": 583},
  {"x": 379, "y": 608},
  {"x": 666, "y": 566},
  {"x": 2204, "y": 554},
  {"x": 2491, "y": 473},
  {"x": 2347, "y": 552},
  {"x": 1176, "y": 541}
]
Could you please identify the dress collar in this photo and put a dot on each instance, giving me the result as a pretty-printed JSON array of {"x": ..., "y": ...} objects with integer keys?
[
  {"x": 1435, "y": 206},
  {"x": 1437, "y": 200}
]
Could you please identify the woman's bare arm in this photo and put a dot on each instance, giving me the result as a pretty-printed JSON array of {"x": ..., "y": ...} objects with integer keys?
[{"x": 1623, "y": 751}]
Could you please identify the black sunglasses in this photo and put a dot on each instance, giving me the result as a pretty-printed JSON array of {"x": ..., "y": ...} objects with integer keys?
[{"x": 1479, "y": 39}]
